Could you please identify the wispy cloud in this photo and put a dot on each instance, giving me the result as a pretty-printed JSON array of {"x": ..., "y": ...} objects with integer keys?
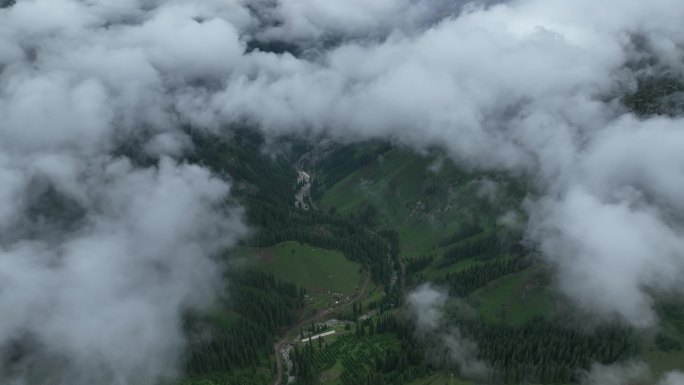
[{"x": 446, "y": 344}]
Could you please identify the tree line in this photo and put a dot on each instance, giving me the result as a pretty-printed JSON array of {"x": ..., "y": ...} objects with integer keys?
[{"x": 545, "y": 351}]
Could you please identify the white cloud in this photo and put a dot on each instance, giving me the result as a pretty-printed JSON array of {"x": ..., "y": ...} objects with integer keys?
[
  {"x": 96, "y": 291},
  {"x": 426, "y": 304},
  {"x": 627, "y": 373}
]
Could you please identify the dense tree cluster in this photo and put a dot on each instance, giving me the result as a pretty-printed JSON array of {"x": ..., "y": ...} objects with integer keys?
[
  {"x": 657, "y": 95},
  {"x": 544, "y": 351},
  {"x": 243, "y": 345},
  {"x": 417, "y": 264},
  {"x": 484, "y": 246},
  {"x": 259, "y": 304}
]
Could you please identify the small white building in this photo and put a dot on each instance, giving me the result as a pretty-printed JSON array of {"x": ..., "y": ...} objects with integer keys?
[
  {"x": 303, "y": 177},
  {"x": 317, "y": 336}
]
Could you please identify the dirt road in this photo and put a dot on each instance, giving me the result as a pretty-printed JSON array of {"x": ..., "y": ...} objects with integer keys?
[{"x": 320, "y": 314}]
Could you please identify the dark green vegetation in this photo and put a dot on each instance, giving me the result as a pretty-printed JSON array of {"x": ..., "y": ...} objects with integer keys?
[
  {"x": 239, "y": 335},
  {"x": 378, "y": 352},
  {"x": 545, "y": 352},
  {"x": 657, "y": 95}
]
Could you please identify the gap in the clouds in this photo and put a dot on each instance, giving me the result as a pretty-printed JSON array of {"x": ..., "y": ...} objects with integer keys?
[
  {"x": 657, "y": 87},
  {"x": 7, "y": 3},
  {"x": 657, "y": 94},
  {"x": 51, "y": 210},
  {"x": 274, "y": 46}
]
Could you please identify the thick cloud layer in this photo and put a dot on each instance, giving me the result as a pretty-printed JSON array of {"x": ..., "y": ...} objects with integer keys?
[
  {"x": 108, "y": 297},
  {"x": 99, "y": 258},
  {"x": 525, "y": 86}
]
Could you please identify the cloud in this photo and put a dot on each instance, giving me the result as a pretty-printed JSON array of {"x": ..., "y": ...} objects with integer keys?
[
  {"x": 99, "y": 257},
  {"x": 107, "y": 298},
  {"x": 627, "y": 373},
  {"x": 616, "y": 374},
  {"x": 427, "y": 303},
  {"x": 672, "y": 378},
  {"x": 448, "y": 344},
  {"x": 615, "y": 225}
]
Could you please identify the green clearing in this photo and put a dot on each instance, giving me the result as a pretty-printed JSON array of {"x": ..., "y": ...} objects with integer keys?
[
  {"x": 514, "y": 299},
  {"x": 317, "y": 270}
]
